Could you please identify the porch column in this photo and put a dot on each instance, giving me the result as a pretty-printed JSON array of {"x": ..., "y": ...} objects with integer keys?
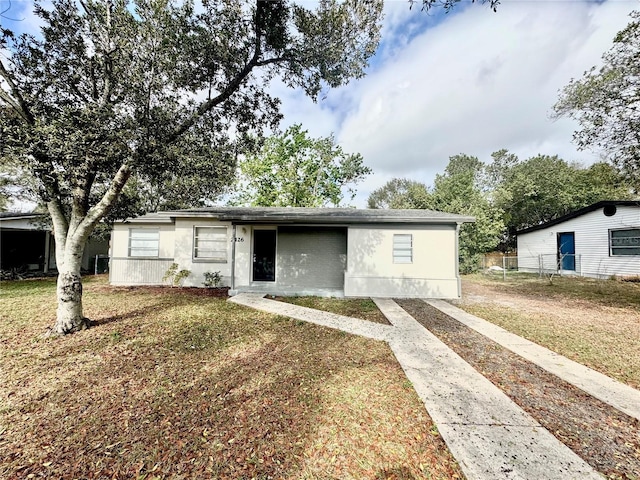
[{"x": 47, "y": 247}]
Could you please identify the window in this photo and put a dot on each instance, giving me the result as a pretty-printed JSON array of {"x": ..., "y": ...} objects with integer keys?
[
  {"x": 624, "y": 242},
  {"x": 144, "y": 242},
  {"x": 210, "y": 243},
  {"x": 402, "y": 248}
]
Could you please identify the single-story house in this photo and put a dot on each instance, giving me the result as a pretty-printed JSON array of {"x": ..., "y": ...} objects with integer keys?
[
  {"x": 320, "y": 251},
  {"x": 26, "y": 241},
  {"x": 600, "y": 240}
]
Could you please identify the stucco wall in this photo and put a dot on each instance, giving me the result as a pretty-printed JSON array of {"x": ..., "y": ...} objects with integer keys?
[
  {"x": 184, "y": 252},
  {"x": 372, "y": 272},
  {"x": 124, "y": 270}
]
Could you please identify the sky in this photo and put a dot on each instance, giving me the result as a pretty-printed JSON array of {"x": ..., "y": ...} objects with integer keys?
[{"x": 470, "y": 81}]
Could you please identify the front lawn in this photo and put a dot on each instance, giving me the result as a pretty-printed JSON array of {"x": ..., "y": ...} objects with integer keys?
[
  {"x": 594, "y": 322},
  {"x": 169, "y": 384}
]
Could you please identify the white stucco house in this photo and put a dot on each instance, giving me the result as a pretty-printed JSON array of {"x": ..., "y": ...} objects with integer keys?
[
  {"x": 600, "y": 240},
  {"x": 320, "y": 251}
]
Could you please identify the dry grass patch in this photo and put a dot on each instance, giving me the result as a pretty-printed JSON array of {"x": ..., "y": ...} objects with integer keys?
[
  {"x": 362, "y": 308},
  {"x": 176, "y": 385},
  {"x": 596, "y": 323}
]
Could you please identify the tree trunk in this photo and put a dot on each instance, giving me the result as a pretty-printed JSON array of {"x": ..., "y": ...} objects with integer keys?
[{"x": 69, "y": 317}]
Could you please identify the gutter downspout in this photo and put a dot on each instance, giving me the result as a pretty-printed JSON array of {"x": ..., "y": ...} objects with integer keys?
[
  {"x": 458, "y": 260},
  {"x": 233, "y": 258}
]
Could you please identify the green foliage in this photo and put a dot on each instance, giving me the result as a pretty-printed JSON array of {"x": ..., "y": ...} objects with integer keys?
[
  {"x": 543, "y": 188},
  {"x": 459, "y": 190},
  {"x": 162, "y": 92},
  {"x": 212, "y": 279},
  {"x": 604, "y": 102},
  {"x": 174, "y": 276},
  {"x": 153, "y": 90},
  {"x": 399, "y": 193},
  {"x": 170, "y": 274},
  {"x": 293, "y": 170}
]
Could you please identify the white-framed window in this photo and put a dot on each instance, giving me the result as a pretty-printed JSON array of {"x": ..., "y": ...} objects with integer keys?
[
  {"x": 624, "y": 242},
  {"x": 144, "y": 242},
  {"x": 402, "y": 248},
  {"x": 210, "y": 243}
]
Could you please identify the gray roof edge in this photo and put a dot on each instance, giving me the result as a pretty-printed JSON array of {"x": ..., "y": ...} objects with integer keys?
[
  {"x": 19, "y": 215},
  {"x": 316, "y": 215},
  {"x": 578, "y": 213}
]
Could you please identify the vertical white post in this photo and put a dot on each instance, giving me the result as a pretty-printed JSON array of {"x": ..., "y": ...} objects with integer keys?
[
  {"x": 47, "y": 246},
  {"x": 540, "y": 265},
  {"x": 504, "y": 268}
]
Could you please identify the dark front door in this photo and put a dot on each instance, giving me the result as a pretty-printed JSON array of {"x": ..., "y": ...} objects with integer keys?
[
  {"x": 264, "y": 255},
  {"x": 567, "y": 251}
]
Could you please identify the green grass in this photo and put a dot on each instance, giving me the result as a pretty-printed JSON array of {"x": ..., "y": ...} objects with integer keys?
[
  {"x": 169, "y": 384},
  {"x": 362, "y": 308},
  {"x": 594, "y": 322}
]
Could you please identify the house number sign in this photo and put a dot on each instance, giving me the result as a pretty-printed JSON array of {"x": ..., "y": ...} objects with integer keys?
[{"x": 237, "y": 239}]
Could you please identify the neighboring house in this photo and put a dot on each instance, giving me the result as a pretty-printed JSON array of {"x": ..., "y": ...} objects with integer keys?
[
  {"x": 600, "y": 240},
  {"x": 321, "y": 251},
  {"x": 27, "y": 242}
]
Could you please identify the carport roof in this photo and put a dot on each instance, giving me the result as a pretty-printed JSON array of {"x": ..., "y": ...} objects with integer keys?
[{"x": 306, "y": 215}]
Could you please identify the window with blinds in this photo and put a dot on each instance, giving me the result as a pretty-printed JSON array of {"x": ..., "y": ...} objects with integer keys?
[
  {"x": 402, "y": 248},
  {"x": 144, "y": 242},
  {"x": 210, "y": 243},
  {"x": 624, "y": 242}
]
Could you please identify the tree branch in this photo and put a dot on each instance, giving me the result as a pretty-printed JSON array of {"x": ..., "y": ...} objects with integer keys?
[
  {"x": 232, "y": 86},
  {"x": 17, "y": 102},
  {"x": 99, "y": 210}
]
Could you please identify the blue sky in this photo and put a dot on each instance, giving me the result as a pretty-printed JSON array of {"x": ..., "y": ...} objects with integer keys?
[{"x": 471, "y": 81}]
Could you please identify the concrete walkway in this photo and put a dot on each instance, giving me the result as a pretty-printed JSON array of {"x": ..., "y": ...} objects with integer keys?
[
  {"x": 489, "y": 435},
  {"x": 610, "y": 391}
]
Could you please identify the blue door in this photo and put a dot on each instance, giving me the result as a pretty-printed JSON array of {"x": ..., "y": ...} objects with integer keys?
[{"x": 567, "y": 251}]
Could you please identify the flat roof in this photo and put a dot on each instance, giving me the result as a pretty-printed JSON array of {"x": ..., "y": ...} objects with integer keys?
[
  {"x": 582, "y": 211},
  {"x": 306, "y": 215}
]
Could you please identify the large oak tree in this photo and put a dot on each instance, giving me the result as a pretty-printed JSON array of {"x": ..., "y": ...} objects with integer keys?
[{"x": 159, "y": 90}]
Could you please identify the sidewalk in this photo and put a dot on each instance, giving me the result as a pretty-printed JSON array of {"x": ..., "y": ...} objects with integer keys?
[{"x": 489, "y": 435}]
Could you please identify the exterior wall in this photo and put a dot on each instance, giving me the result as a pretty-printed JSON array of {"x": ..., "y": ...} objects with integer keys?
[
  {"x": 311, "y": 257},
  {"x": 306, "y": 258},
  {"x": 184, "y": 257},
  {"x": 432, "y": 273},
  {"x": 125, "y": 270},
  {"x": 592, "y": 244}
]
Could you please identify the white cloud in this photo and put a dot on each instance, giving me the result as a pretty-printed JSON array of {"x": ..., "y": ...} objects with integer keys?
[{"x": 472, "y": 82}]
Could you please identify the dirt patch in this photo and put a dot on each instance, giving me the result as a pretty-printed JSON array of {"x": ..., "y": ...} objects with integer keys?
[
  {"x": 605, "y": 438},
  {"x": 217, "y": 292}
]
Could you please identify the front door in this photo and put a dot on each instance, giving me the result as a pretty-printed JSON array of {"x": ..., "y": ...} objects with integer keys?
[
  {"x": 264, "y": 255},
  {"x": 567, "y": 251}
]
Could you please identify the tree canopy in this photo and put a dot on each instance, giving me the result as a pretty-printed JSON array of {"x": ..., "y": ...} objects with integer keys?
[
  {"x": 165, "y": 92},
  {"x": 400, "y": 193},
  {"x": 606, "y": 100},
  {"x": 293, "y": 170}
]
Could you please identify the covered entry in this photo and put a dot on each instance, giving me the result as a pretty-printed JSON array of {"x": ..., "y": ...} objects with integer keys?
[{"x": 311, "y": 257}]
